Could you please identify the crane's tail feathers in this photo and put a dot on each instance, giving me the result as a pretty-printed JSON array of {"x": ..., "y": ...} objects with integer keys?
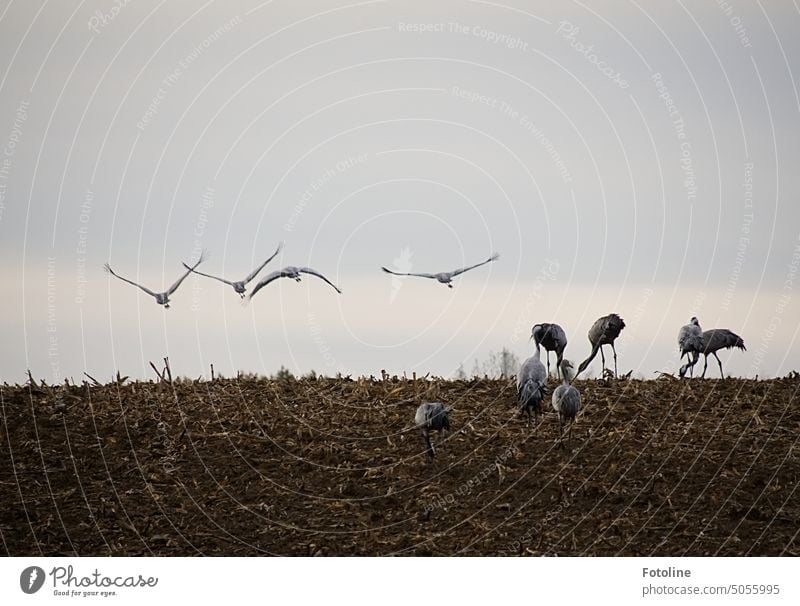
[
  {"x": 740, "y": 344},
  {"x": 531, "y": 396}
]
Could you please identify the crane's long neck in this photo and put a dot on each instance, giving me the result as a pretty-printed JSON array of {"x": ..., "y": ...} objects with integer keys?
[{"x": 587, "y": 361}]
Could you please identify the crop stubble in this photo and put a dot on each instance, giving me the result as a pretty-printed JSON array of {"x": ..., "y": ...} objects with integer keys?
[{"x": 334, "y": 467}]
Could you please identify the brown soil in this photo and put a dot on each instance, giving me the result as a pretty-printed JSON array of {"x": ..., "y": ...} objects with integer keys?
[{"x": 333, "y": 467}]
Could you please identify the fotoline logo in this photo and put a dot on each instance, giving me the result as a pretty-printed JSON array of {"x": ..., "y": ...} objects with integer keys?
[{"x": 31, "y": 579}]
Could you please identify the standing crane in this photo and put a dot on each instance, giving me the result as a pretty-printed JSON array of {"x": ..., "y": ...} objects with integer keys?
[
  {"x": 432, "y": 416},
  {"x": 690, "y": 341},
  {"x": 531, "y": 385},
  {"x": 566, "y": 401},
  {"x": 712, "y": 341},
  {"x": 553, "y": 338},
  {"x": 604, "y": 331}
]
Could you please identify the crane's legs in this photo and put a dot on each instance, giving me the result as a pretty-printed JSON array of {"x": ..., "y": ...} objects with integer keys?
[
  {"x": 603, "y": 358},
  {"x": 426, "y": 442},
  {"x": 614, "y": 349},
  {"x": 703, "y": 376},
  {"x": 692, "y": 359},
  {"x": 548, "y": 363},
  {"x": 722, "y": 376}
]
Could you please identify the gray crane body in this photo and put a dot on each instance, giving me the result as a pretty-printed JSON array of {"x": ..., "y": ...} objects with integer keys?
[
  {"x": 604, "y": 331},
  {"x": 553, "y": 338},
  {"x": 531, "y": 385},
  {"x": 432, "y": 416},
  {"x": 690, "y": 340},
  {"x": 711, "y": 342},
  {"x": 566, "y": 400}
]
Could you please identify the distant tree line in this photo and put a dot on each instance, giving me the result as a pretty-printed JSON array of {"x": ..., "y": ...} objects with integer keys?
[{"x": 503, "y": 363}]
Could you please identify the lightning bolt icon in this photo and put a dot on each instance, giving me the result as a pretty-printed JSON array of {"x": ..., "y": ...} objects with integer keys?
[{"x": 32, "y": 578}]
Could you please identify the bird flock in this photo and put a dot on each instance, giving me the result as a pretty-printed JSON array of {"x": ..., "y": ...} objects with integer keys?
[
  {"x": 532, "y": 377},
  {"x": 290, "y": 271}
]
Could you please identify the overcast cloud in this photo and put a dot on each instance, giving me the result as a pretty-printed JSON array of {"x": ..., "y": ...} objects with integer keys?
[{"x": 634, "y": 157}]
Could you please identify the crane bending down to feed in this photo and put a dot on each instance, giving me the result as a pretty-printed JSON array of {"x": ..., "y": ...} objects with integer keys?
[
  {"x": 712, "y": 341},
  {"x": 240, "y": 286},
  {"x": 288, "y": 272},
  {"x": 604, "y": 331},
  {"x": 553, "y": 338},
  {"x": 566, "y": 401},
  {"x": 162, "y": 298},
  {"x": 432, "y": 416},
  {"x": 445, "y": 277},
  {"x": 531, "y": 385},
  {"x": 690, "y": 340}
]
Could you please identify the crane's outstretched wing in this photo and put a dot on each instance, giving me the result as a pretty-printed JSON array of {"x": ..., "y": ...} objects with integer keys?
[
  {"x": 308, "y": 270},
  {"x": 494, "y": 257},
  {"x": 266, "y": 280},
  {"x": 397, "y": 273},
  {"x": 200, "y": 273},
  {"x": 249, "y": 278},
  {"x": 107, "y": 267},
  {"x": 189, "y": 270}
]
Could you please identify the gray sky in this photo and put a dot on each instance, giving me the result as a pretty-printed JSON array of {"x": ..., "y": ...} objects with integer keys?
[{"x": 636, "y": 157}]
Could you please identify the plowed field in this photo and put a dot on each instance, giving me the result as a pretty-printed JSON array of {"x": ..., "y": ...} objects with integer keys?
[{"x": 334, "y": 467}]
